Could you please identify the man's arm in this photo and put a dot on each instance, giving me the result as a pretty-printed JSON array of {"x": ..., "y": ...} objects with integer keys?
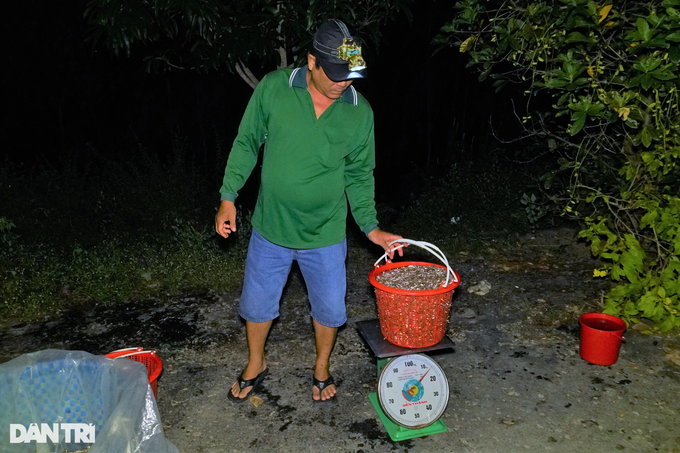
[
  {"x": 360, "y": 189},
  {"x": 360, "y": 184},
  {"x": 242, "y": 160}
]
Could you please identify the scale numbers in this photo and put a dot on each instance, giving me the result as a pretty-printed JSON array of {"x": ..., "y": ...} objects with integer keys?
[{"x": 413, "y": 391}]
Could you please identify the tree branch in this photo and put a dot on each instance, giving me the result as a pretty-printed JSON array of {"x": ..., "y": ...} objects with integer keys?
[
  {"x": 246, "y": 75},
  {"x": 284, "y": 57}
]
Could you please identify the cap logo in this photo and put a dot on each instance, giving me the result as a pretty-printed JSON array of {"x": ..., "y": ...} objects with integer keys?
[{"x": 348, "y": 51}]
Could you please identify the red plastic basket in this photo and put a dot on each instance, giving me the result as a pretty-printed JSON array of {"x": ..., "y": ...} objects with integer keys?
[
  {"x": 153, "y": 363},
  {"x": 414, "y": 319}
]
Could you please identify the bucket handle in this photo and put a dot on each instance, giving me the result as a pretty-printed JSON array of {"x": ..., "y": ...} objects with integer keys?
[
  {"x": 619, "y": 336},
  {"x": 126, "y": 349},
  {"x": 134, "y": 353},
  {"x": 427, "y": 246}
]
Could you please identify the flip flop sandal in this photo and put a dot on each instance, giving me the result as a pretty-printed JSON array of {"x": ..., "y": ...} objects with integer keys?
[
  {"x": 254, "y": 382},
  {"x": 322, "y": 385}
]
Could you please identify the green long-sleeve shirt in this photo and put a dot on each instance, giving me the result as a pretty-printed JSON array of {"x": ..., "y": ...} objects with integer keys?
[{"x": 308, "y": 165}]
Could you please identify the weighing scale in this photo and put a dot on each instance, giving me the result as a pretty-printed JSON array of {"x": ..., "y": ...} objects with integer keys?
[{"x": 412, "y": 389}]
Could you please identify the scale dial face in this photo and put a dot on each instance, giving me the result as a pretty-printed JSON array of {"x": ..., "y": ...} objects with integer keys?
[{"x": 413, "y": 391}]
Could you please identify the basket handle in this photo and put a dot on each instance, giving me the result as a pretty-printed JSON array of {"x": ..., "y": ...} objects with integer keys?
[
  {"x": 427, "y": 246},
  {"x": 134, "y": 353},
  {"x": 126, "y": 349}
]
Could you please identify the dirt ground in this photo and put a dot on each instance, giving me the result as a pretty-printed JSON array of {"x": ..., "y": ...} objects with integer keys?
[{"x": 517, "y": 382}]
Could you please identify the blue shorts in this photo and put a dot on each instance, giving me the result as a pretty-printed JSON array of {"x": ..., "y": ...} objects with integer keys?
[{"x": 267, "y": 269}]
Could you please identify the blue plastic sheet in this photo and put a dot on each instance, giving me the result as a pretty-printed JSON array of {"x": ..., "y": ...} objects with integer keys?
[{"x": 54, "y": 401}]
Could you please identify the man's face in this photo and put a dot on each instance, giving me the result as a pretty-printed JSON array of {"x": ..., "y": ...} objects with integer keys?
[{"x": 324, "y": 85}]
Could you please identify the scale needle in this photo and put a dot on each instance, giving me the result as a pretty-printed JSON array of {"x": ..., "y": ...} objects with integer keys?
[{"x": 428, "y": 370}]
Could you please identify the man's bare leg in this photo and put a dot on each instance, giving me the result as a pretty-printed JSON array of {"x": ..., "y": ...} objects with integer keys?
[
  {"x": 256, "y": 332},
  {"x": 325, "y": 339}
]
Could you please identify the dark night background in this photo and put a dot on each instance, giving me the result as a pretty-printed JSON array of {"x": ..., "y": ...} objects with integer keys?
[{"x": 67, "y": 102}]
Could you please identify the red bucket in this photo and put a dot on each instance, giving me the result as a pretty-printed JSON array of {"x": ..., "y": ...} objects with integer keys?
[
  {"x": 414, "y": 319},
  {"x": 601, "y": 337}
]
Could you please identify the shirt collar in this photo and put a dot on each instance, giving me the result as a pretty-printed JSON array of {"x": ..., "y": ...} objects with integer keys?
[{"x": 298, "y": 78}]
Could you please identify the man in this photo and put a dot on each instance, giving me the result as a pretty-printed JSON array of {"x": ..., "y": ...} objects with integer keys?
[{"x": 319, "y": 149}]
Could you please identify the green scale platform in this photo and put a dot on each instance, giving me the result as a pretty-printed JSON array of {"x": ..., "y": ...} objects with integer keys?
[{"x": 385, "y": 351}]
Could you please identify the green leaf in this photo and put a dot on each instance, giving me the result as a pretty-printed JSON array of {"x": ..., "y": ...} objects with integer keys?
[
  {"x": 647, "y": 63},
  {"x": 663, "y": 74},
  {"x": 630, "y": 309},
  {"x": 669, "y": 323},
  {"x": 649, "y": 218},
  {"x": 646, "y": 136},
  {"x": 632, "y": 123},
  {"x": 556, "y": 83},
  {"x": 647, "y": 304},
  {"x": 674, "y": 37},
  {"x": 578, "y": 121},
  {"x": 673, "y": 13},
  {"x": 575, "y": 37},
  {"x": 611, "y": 256},
  {"x": 634, "y": 81},
  {"x": 643, "y": 28},
  {"x": 659, "y": 42}
]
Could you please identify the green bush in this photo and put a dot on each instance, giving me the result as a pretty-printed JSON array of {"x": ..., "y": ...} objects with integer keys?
[{"x": 603, "y": 98}]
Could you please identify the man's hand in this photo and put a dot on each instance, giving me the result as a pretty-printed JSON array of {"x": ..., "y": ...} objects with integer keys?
[
  {"x": 383, "y": 239},
  {"x": 225, "y": 220}
]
